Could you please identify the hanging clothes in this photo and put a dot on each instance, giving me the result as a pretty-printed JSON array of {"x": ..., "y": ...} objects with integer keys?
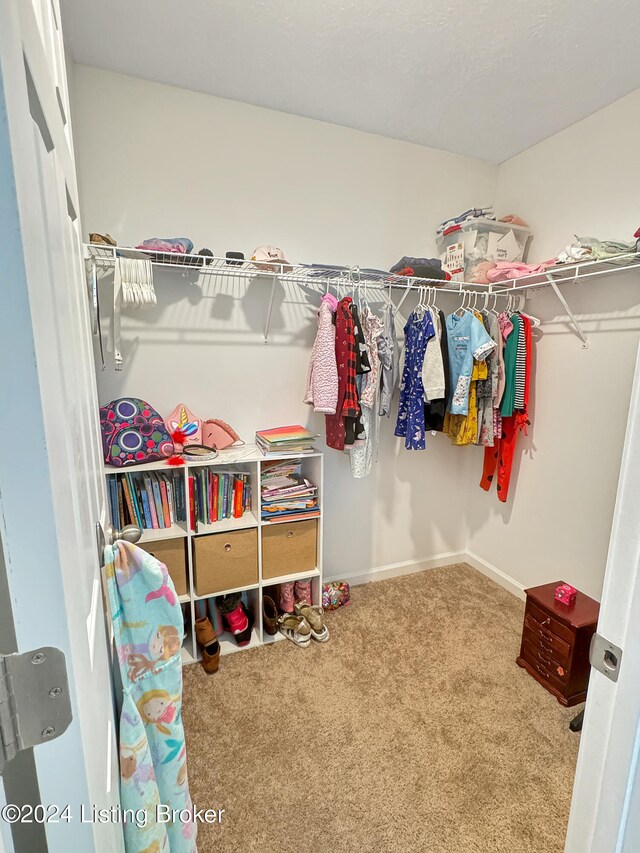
[
  {"x": 347, "y": 405},
  {"x": 499, "y": 459},
  {"x": 435, "y": 410},
  {"x": 322, "y": 376},
  {"x": 389, "y": 354},
  {"x": 510, "y": 357},
  {"x": 363, "y": 456},
  {"x": 463, "y": 429},
  {"x": 489, "y": 426},
  {"x": 354, "y": 425},
  {"x": 410, "y": 424},
  {"x": 148, "y": 631},
  {"x": 432, "y": 368},
  {"x": 467, "y": 340},
  {"x": 485, "y": 390}
]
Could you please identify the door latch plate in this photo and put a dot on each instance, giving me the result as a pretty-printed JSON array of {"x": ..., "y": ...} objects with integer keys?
[
  {"x": 605, "y": 656},
  {"x": 35, "y": 705}
]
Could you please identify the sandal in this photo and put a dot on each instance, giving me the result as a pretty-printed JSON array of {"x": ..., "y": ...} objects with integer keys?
[
  {"x": 296, "y": 629},
  {"x": 314, "y": 616}
]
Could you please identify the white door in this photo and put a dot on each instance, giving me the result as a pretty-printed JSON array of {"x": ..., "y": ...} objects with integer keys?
[
  {"x": 51, "y": 486},
  {"x": 604, "y": 811}
]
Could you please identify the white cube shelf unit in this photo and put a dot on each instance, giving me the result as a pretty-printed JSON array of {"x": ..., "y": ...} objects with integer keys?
[{"x": 201, "y": 546}]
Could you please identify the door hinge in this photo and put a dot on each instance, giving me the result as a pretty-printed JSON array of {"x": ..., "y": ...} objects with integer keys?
[
  {"x": 35, "y": 705},
  {"x": 605, "y": 656}
]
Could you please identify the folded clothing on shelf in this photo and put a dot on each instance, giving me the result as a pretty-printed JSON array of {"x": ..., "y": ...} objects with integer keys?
[
  {"x": 408, "y": 261},
  {"x": 179, "y": 245},
  {"x": 472, "y": 213},
  {"x": 425, "y": 271},
  {"x": 592, "y": 249},
  {"x": 507, "y": 270}
]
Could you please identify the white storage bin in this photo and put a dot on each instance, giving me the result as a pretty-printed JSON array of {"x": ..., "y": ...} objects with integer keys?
[{"x": 481, "y": 240}]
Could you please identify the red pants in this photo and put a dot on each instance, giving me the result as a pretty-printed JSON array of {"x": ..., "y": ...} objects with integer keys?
[{"x": 500, "y": 456}]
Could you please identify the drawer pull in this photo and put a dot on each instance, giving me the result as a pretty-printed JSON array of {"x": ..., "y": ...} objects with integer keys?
[
  {"x": 227, "y": 547},
  {"x": 290, "y": 534}
]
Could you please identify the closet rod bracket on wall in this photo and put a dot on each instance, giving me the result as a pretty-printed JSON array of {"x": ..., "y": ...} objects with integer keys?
[{"x": 574, "y": 320}]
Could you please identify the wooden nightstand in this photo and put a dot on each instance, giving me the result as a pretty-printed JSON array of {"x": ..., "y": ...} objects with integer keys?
[{"x": 555, "y": 642}]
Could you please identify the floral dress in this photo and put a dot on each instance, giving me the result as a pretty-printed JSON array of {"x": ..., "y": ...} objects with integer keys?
[{"x": 410, "y": 424}]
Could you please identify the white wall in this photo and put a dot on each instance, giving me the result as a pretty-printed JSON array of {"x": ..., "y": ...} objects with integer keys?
[
  {"x": 156, "y": 160},
  {"x": 582, "y": 181}
]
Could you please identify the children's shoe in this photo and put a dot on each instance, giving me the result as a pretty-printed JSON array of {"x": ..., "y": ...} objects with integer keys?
[
  {"x": 296, "y": 629},
  {"x": 236, "y": 620},
  {"x": 302, "y": 592},
  {"x": 269, "y": 615},
  {"x": 285, "y": 597},
  {"x": 208, "y": 641},
  {"x": 314, "y": 616},
  {"x": 244, "y": 637}
]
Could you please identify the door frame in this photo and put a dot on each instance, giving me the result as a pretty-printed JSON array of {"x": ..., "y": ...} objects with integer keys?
[{"x": 31, "y": 536}]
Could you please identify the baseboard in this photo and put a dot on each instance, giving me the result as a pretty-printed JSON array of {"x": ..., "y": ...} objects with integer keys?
[
  {"x": 409, "y": 567},
  {"x": 504, "y": 580},
  {"x": 395, "y": 570}
]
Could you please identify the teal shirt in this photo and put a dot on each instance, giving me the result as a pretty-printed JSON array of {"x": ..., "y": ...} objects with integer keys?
[{"x": 510, "y": 354}]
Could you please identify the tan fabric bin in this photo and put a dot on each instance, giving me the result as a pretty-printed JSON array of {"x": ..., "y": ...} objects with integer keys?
[
  {"x": 224, "y": 561},
  {"x": 289, "y": 548},
  {"x": 173, "y": 553}
]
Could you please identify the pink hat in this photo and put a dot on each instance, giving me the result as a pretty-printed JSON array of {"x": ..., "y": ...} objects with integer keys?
[{"x": 270, "y": 259}]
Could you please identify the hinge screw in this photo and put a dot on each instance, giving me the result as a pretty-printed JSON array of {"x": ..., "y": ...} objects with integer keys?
[
  {"x": 55, "y": 691},
  {"x": 38, "y": 658},
  {"x": 48, "y": 732}
]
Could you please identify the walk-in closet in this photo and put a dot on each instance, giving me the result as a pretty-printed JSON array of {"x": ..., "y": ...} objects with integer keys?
[{"x": 318, "y": 475}]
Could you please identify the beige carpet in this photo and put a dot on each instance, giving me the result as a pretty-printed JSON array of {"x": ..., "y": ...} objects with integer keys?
[{"x": 411, "y": 730}]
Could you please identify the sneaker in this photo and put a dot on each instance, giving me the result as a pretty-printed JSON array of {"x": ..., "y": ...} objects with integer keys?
[
  {"x": 296, "y": 629},
  {"x": 269, "y": 615},
  {"x": 285, "y": 597},
  {"x": 236, "y": 621},
  {"x": 314, "y": 616},
  {"x": 302, "y": 592},
  {"x": 244, "y": 637}
]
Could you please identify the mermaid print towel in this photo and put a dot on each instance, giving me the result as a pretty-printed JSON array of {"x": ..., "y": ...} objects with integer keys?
[{"x": 148, "y": 630}]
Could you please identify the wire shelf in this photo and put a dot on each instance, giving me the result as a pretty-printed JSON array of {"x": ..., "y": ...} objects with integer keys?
[{"x": 103, "y": 258}]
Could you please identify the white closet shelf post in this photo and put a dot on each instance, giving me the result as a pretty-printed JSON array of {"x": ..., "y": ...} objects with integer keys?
[
  {"x": 274, "y": 281},
  {"x": 570, "y": 314}
]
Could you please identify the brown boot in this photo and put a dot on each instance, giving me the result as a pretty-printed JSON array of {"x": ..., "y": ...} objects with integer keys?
[
  {"x": 269, "y": 615},
  {"x": 208, "y": 641}
]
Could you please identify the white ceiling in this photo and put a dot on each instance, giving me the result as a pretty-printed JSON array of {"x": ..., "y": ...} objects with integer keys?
[{"x": 486, "y": 78}]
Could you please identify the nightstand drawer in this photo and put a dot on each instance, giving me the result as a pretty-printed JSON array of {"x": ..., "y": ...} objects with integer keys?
[
  {"x": 547, "y": 621},
  {"x": 551, "y": 677},
  {"x": 546, "y": 637},
  {"x": 535, "y": 657}
]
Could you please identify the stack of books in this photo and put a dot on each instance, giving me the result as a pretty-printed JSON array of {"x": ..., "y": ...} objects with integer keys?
[
  {"x": 215, "y": 495},
  {"x": 152, "y": 500},
  {"x": 286, "y": 494},
  {"x": 283, "y": 441}
]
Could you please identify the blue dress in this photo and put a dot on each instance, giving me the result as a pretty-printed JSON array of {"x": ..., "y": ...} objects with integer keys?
[{"x": 410, "y": 423}]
